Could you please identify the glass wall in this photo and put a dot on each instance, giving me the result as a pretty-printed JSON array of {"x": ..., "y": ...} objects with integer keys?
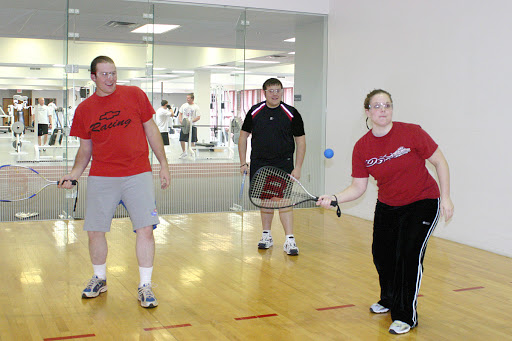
[{"x": 220, "y": 54}]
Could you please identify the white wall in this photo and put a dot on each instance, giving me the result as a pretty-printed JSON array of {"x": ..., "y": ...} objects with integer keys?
[
  {"x": 317, "y": 7},
  {"x": 447, "y": 65}
]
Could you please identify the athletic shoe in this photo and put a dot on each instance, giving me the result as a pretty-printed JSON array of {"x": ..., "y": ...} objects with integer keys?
[
  {"x": 146, "y": 297},
  {"x": 399, "y": 327},
  {"x": 95, "y": 287},
  {"x": 378, "y": 309},
  {"x": 265, "y": 242},
  {"x": 290, "y": 247},
  {"x": 183, "y": 155}
]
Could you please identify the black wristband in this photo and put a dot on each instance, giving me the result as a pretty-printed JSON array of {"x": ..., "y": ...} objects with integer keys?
[{"x": 245, "y": 164}]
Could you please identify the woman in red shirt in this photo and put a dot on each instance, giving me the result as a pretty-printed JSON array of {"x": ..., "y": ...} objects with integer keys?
[{"x": 408, "y": 207}]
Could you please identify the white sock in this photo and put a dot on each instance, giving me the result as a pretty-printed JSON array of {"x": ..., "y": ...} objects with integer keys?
[
  {"x": 100, "y": 270},
  {"x": 289, "y": 236},
  {"x": 145, "y": 275},
  {"x": 267, "y": 233}
]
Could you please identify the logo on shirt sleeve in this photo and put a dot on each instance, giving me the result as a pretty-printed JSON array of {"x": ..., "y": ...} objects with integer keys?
[{"x": 378, "y": 160}]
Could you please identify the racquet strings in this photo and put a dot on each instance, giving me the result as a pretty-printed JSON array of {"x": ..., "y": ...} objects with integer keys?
[
  {"x": 18, "y": 183},
  {"x": 272, "y": 187}
]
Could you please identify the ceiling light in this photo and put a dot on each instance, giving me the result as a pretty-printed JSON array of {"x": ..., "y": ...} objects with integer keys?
[
  {"x": 291, "y": 40},
  {"x": 223, "y": 67},
  {"x": 293, "y": 52},
  {"x": 155, "y": 28},
  {"x": 183, "y": 71},
  {"x": 261, "y": 61},
  {"x": 164, "y": 76}
]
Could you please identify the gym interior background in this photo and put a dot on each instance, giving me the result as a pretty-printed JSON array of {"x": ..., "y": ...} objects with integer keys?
[{"x": 222, "y": 54}]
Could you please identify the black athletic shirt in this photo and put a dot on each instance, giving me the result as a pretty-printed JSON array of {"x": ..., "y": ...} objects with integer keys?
[{"x": 273, "y": 130}]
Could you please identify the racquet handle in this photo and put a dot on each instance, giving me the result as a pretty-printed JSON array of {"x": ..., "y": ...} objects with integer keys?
[
  {"x": 73, "y": 182},
  {"x": 334, "y": 203}
]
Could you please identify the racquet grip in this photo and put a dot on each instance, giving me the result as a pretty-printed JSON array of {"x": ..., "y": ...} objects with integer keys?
[
  {"x": 73, "y": 182},
  {"x": 334, "y": 203}
]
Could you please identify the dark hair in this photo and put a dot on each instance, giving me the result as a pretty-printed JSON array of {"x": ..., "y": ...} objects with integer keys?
[
  {"x": 191, "y": 95},
  {"x": 100, "y": 59},
  {"x": 373, "y": 93},
  {"x": 272, "y": 81},
  {"x": 164, "y": 102}
]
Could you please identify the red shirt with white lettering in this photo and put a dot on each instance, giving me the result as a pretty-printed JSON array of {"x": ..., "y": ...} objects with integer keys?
[
  {"x": 114, "y": 124},
  {"x": 397, "y": 161}
]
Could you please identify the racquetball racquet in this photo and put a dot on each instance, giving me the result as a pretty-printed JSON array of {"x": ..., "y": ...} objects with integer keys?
[
  {"x": 19, "y": 183},
  {"x": 273, "y": 188}
]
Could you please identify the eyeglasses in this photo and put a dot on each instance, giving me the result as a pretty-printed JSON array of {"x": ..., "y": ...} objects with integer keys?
[
  {"x": 274, "y": 91},
  {"x": 378, "y": 106},
  {"x": 112, "y": 74}
]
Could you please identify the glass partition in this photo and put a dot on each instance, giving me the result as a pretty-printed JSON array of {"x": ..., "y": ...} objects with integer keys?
[{"x": 220, "y": 54}]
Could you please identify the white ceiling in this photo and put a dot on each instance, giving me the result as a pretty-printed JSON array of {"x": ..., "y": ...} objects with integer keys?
[{"x": 201, "y": 27}]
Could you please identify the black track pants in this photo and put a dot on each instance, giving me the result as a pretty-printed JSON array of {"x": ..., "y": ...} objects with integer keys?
[{"x": 400, "y": 237}]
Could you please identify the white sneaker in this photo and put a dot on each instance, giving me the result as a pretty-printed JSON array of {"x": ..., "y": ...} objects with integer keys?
[
  {"x": 290, "y": 247},
  {"x": 95, "y": 287},
  {"x": 266, "y": 241},
  {"x": 378, "y": 309},
  {"x": 183, "y": 155},
  {"x": 146, "y": 297},
  {"x": 399, "y": 327}
]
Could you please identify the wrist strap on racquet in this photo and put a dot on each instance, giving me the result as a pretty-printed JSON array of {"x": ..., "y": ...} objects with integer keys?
[{"x": 338, "y": 210}]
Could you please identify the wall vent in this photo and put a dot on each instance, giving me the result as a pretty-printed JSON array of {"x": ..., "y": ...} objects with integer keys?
[{"x": 115, "y": 23}]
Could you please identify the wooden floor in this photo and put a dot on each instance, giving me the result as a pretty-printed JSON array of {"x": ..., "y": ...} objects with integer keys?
[{"x": 214, "y": 284}]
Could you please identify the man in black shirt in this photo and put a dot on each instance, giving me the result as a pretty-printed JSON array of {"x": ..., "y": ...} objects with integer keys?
[{"x": 276, "y": 129}]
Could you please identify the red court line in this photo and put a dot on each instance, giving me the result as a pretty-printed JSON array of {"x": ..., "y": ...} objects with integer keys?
[
  {"x": 336, "y": 307},
  {"x": 168, "y": 327},
  {"x": 466, "y": 289},
  {"x": 69, "y": 337},
  {"x": 254, "y": 317}
]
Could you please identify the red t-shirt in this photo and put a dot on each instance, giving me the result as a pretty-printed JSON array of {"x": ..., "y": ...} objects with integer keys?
[
  {"x": 114, "y": 124},
  {"x": 397, "y": 161}
]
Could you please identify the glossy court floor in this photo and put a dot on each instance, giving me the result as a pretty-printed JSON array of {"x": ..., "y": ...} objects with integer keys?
[{"x": 212, "y": 283}]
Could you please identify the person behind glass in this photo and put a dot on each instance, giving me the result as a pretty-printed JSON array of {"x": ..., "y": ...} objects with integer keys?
[
  {"x": 52, "y": 108},
  {"x": 190, "y": 111},
  {"x": 162, "y": 117},
  {"x": 276, "y": 129},
  {"x": 44, "y": 122},
  {"x": 408, "y": 208},
  {"x": 115, "y": 125}
]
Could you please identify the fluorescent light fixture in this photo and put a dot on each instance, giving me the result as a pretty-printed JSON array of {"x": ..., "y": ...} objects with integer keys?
[
  {"x": 293, "y": 52},
  {"x": 155, "y": 28},
  {"x": 291, "y": 40},
  {"x": 237, "y": 71},
  {"x": 261, "y": 61},
  {"x": 164, "y": 76},
  {"x": 183, "y": 72},
  {"x": 158, "y": 68},
  {"x": 223, "y": 67},
  {"x": 59, "y": 65}
]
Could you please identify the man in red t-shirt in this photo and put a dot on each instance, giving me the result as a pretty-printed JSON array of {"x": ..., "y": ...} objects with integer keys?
[{"x": 114, "y": 126}]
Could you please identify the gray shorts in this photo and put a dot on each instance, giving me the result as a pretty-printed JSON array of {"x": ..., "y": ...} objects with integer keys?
[{"x": 105, "y": 193}]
